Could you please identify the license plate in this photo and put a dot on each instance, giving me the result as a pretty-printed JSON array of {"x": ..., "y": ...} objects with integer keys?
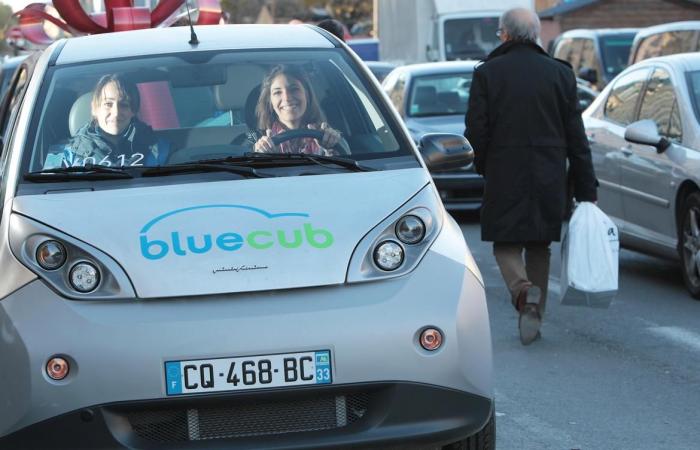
[{"x": 248, "y": 372}]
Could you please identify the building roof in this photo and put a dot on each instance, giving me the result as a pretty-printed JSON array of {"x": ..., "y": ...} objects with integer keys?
[{"x": 575, "y": 5}]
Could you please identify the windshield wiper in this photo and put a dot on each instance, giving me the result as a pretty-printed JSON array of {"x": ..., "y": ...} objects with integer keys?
[
  {"x": 87, "y": 172},
  {"x": 204, "y": 166},
  {"x": 281, "y": 159}
]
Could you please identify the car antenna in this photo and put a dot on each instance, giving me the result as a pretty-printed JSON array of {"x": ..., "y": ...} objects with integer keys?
[{"x": 193, "y": 35}]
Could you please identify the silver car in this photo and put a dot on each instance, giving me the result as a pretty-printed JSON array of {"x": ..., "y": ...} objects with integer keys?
[
  {"x": 432, "y": 98},
  {"x": 644, "y": 131},
  {"x": 180, "y": 291}
]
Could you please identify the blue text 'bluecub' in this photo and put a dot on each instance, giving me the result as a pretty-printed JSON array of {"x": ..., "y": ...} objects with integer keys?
[{"x": 229, "y": 241}]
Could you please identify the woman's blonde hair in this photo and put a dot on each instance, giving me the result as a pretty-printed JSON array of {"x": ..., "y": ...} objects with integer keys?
[{"x": 266, "y": 114}]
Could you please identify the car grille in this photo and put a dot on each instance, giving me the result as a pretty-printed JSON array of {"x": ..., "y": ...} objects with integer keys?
[{"x": 247, "y": 418}]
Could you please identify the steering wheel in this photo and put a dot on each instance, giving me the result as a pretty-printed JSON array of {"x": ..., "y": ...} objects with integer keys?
[{"x": 342, "y": 146}]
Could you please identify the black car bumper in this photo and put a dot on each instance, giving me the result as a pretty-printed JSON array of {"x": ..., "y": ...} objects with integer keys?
[
  {"x": 460, "y": 190},
  {"x": 380, "y": 415}
]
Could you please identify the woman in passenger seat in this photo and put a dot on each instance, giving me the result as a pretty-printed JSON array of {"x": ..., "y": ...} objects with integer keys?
[
  {"x": 287, "y": 103},
  {"x": 114, "y": 136}
]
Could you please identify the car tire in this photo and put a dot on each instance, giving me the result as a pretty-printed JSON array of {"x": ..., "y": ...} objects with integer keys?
[
  {"x": 689, "y": 243},
  {"x": 485, "y": 439}
]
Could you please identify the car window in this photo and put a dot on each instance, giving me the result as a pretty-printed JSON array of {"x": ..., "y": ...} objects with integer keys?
[
  {"x": 615, "y": 52},
  {"x": 202, "y": 107},
  {"x": 396, "y": 91},
  {"x": 470, "y": 38},
  {"x": 658, "y": 101},
  {"x": 694, "y": 85},
  {"x": 621, "y": 104},
  {"x": 668, "y": 43},
  {"x": 588, "y": 55},
  {"x": 563, "y": 48},
  {"x": 440, "y": 95},
  {"x": 574, "y": 56}
]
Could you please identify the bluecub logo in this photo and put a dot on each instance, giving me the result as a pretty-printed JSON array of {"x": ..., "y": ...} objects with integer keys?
[{"x": 180, "y": 244}]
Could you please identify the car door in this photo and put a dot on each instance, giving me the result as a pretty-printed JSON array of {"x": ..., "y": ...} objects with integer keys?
[
  {"x": 647, "y": 175},
  {"x": 606, "y": 136}
]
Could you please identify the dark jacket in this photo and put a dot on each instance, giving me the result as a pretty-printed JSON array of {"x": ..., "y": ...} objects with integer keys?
[
  {"x": 523, "y": 124},
  {"x": 137, "y": 138}
]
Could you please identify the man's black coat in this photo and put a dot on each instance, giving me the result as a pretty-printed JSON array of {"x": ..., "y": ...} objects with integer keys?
[{"x": 523, "y": 123}]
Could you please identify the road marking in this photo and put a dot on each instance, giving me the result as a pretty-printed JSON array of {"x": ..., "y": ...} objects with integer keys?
[{"x": 678, "y": 335}]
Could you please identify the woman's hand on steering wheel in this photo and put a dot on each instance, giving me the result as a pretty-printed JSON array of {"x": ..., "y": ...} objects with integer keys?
[
  {"x": 265, "y": 144},
  {"x": 331, "y": 136}
]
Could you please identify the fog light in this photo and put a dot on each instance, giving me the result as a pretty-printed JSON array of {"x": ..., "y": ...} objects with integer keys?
[
  {"x": 388, "y": 255},
  {"x": 57, "y": 368},
  {"x": 51, "y": 255},
  {"x": 431, "y": 339},
  {"x": 410, "y": 229},
  {"x": 84, "y": 277}
]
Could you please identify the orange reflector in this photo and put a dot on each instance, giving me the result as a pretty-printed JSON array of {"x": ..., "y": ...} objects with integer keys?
[
  {"x": 431, "y": 339},
  {"x": 57, "y": 368}
]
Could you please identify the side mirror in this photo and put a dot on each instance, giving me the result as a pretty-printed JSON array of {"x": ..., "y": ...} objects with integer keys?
[
  {"x": 443, "y": 151},
  {"x": 589, "y": 74},
  {"x": 646, "y": 132}
]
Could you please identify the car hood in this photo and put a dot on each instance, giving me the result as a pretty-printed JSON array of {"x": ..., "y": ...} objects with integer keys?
[
  {"x": 418, "y": 126},
  {"x": 231, "y": 236}
]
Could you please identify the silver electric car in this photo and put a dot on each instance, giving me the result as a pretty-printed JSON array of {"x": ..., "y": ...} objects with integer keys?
[{"x": 164, "y": 286}]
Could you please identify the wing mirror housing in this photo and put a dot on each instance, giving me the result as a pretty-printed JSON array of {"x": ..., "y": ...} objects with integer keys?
[
  {"x": 646, "y": 132},
  {"x": 444, "y": 151}
]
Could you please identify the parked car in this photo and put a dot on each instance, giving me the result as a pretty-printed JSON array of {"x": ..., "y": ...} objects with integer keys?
[
  {"x": 644, "y": 132},
  {"x": 665, "y": 39},
  {"x": 432, "y": 98},
  {"x": 225, "y": 298},
  {"x": 7, "y": 69},
  {"x": 596, "y": 55},
  {"x": 380, "y": 69}
]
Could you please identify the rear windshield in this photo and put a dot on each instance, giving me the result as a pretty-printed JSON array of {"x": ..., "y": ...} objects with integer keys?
[
  {"x": 440, "y": 95},
  {"x": 694, "y": 82},
  {"x": 184, "y": 108},
  {"x": 615, "y": 52},
  {"x": 667, "y": 43}
]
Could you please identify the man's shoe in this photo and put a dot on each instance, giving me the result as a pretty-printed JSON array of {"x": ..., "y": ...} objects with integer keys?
[{"x": 529, "y": 323}]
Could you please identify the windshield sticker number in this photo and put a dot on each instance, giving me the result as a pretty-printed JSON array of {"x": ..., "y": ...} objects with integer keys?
[{"x": 67, "y": 159}]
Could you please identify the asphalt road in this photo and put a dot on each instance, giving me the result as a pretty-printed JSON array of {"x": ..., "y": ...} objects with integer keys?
[{"x": 626, "y": 377}]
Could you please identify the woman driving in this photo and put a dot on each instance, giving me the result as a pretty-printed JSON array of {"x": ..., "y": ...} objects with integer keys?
[{"x": 287, "y": 103}]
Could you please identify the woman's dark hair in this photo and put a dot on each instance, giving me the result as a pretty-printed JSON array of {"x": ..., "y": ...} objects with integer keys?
[
  {"x": 266, "y": 114},
  {"x": 126, "y": 89}
]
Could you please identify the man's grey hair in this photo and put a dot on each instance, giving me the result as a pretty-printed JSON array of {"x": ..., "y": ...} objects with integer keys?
[{"x": 521, "y": 24}]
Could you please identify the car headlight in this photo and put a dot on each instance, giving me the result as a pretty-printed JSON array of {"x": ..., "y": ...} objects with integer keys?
[
  {"x": 410, "y": 229},
  {"x": 51, "y": 255},
  {"x": 388, "y": 255},
  {"x": 84, "y": 277},
  {"x": 396, "y": 245}
]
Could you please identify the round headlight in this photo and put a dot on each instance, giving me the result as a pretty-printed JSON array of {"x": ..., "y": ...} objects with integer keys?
[
  {"x": 51, "y": 255},
  {"x": 388, "y": 255},
  {"x": 84, "y": 277},
  {"x": 410, "y": 229}
]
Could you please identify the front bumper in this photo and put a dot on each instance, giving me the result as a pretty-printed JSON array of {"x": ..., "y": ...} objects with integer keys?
[
  {"x": 376, "y": 415},
  {"x": 118, "y": 348},
  {"x": 460, "y": 190}
]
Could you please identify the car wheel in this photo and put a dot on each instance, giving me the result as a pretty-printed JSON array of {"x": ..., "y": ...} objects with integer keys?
[
  {"x": 483, "y": 440},
  {"x": 689, "y": 244}
]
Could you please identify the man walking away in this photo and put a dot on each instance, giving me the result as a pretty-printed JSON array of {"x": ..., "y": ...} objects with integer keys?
[{"x": 523, "y": 123}]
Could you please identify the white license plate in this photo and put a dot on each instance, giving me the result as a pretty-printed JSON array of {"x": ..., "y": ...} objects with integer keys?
[{"x": 248, "y": 372}]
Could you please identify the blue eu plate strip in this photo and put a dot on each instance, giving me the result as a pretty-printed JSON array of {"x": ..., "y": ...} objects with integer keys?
[
  {"x": 173, "y": 379},
  {"x": 323, "y": 367}
]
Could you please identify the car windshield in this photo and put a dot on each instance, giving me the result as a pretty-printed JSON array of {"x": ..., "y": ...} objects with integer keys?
[
  {"x": 440, "y": 95},
  {"x": 130, "y": 114},
  {"x": 616, "y": 52},
  {"x": 472, "y": 38},
  {"x": 694, "y": 82}
]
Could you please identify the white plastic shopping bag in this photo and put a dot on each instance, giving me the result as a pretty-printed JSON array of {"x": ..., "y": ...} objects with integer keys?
[{"x": 590, "y": 252}]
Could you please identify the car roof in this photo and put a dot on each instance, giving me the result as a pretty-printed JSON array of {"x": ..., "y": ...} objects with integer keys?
[
  {"x": 157, "y": 41},
  {"x": 673, "y": 26},
  {"x": 438, "y": 67},
  {"x": 686, "y": 62},
  {"x": 585, "y": 32}
]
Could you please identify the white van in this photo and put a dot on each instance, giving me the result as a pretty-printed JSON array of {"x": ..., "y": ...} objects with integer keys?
[{"x": 165, "y": 286}]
